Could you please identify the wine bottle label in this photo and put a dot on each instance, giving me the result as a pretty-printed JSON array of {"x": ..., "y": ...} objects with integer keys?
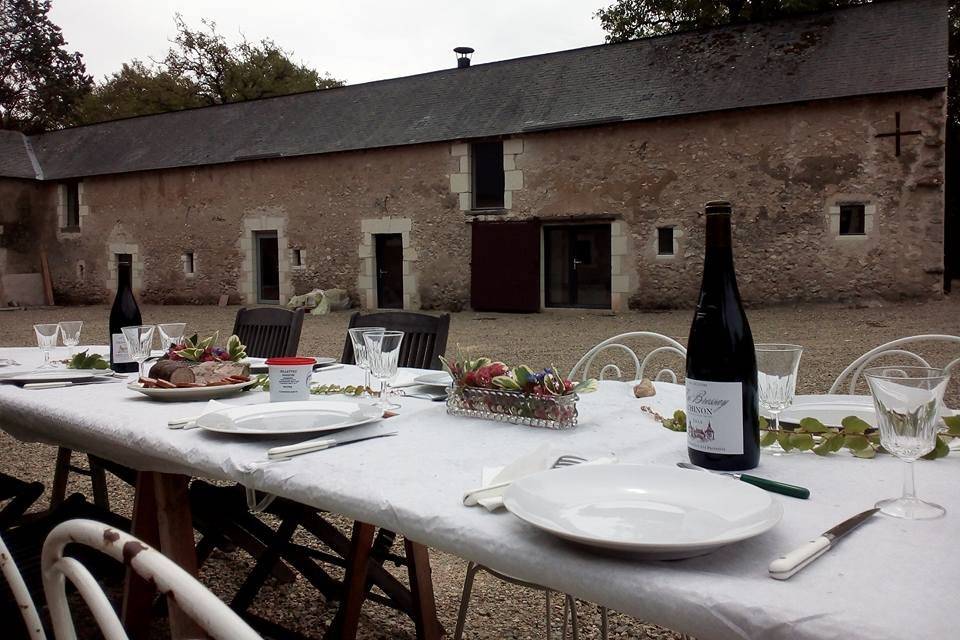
[
  {"x": 715, "y": 416},
  {"x": 121, "y": 355}
]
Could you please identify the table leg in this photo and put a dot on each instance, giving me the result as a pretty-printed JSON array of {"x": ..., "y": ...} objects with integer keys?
[
  {"x": 161, "y": 518},
  {"x": 138, "y": 594},
  {"x": 60, "y": 473},
  {"x": 421, "y": 587},
  {"x": 347, "y": 620},
  {"x": 175, "y": 528}
]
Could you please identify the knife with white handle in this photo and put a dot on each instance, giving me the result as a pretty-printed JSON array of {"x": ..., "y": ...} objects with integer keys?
[
  {"x": 319, "y": 444},
  {"x": 788, "y": 565}
]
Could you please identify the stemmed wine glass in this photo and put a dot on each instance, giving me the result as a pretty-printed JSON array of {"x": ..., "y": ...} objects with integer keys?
[
  {"x": 171, "y": 334},
  {"x": 139, "y": 343},
  {"x": 777, "y": 366},
  {"x": 70, "y": 330},
  {"x": 383, "y": 352},
  {"x": 907, "y": 400},
  {"x": 46, "y": 340},
  {"x": 360, "y": 352}
]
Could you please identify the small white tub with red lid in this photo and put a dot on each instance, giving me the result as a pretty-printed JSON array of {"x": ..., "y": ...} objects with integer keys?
[{"x": 290, "y": 378}]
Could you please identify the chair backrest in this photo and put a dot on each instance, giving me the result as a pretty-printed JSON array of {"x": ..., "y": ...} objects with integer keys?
[
  {"x": 902, "y": 350},
  {"x": 424, "y": 340},
  {"x": 617, "y": 354},
  {"x": 269, "y": 332},
  {"x": 21, "y": 594},
  {"x": 196, "y": 601}
]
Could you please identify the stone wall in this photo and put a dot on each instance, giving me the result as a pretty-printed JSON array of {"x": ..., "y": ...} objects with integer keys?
[{"x": 785, "y": 169}]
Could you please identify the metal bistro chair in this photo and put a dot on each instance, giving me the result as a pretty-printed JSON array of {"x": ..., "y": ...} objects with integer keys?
[
  {"x": 669, "y": 349},
  {"x": 227, "y": 507},
  {"x": 195, "y": 600},
  {"x": 902, "y": 349},
  {"x": 269, "y": 332},
  {"x": 665, "y": 348}
]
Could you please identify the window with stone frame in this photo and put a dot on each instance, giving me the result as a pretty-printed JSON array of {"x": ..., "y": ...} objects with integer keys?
[
  {"x": 486, "y": 159},
  {"x": 853, "y": 216},
  {"x": 72, "y": 211},
  {"x": 189, "y": 263},
  {"x": 665, "y": 244}
]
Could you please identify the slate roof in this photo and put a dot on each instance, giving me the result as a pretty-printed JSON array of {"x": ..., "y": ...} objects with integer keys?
[
  {"x": 15, "y": 161},
  {"x": 879, "y": 48}
]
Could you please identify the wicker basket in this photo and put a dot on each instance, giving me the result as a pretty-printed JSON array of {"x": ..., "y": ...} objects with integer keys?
[{"x": 551, "y": 412}]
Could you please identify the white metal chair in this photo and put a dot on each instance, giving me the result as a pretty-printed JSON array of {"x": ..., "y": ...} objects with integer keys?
[
  {"x": 666, "y": 347},
  {"x": 569, "y": 605},
  {"x": 196, "y": 601},
  {"x": 897, "y": 349}
]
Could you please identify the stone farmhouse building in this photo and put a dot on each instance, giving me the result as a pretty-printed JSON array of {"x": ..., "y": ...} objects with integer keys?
[{"x": 568, "y": 179}]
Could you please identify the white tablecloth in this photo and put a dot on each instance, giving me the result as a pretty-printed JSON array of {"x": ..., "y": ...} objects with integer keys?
[{"x": 890, "y": 579}]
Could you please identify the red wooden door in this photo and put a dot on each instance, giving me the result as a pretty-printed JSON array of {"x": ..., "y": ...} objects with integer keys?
[{"x": 505, "y": 267}]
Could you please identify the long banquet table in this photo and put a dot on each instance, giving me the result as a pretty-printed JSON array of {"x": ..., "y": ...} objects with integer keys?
[{"x": 890, "y": 579}]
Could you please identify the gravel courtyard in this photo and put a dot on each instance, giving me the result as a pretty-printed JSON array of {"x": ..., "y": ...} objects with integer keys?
[{"x": 833, "y": 335}]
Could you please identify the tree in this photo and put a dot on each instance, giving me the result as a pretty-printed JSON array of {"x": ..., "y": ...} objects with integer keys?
[
  {"x": 628, "y": 19},
  {"x": 201, "y": 69},
  {"x": 40, "y": 81}
]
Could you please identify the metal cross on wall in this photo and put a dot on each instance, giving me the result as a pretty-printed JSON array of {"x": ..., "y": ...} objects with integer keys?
[{"x": 897, "y": 134}]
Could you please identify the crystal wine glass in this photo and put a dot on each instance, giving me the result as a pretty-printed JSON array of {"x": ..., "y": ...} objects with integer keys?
[
  {"x": 171, "y": 334},
  {"x": 907, "y": 400},
  {"x": 777, "y": 366},
  {"x": 46, "y": 340},
  {"x": 70, "y": 331},
  {"x": 360, "y": 352},
  {"x": 383, "y": 352},
  {"x": 139, "y": 343}
]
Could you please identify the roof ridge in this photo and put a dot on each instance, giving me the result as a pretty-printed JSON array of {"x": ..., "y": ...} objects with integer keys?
[{"x": 37, "y": 169}]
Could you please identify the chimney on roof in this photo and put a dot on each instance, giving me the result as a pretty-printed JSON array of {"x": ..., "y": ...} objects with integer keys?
[{"x": 463, "y": 56}]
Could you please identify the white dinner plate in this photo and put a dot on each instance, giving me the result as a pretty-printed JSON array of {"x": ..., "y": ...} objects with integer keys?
[
  {"x": 289, "y": 417},
  {"x": 53, "y": 375},
  {"x": 830, "y": 410},
  {"x": 190, "y": 394},
  {"x": 650, "y": 511},
  {"x": 441, "y": 379}
]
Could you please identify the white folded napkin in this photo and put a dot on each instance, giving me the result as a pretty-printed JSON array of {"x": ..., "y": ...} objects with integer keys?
[{"x": 539, "y": 459}]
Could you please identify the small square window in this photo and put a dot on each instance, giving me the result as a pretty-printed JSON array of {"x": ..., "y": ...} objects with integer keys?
[
  {"x": 189, "y": 263},
  {"x": 853, "y": 219},
  {"x": 298, "y": 257},
  {"x": 73, "y": 205},
  {"x": 664, "y": 241}
]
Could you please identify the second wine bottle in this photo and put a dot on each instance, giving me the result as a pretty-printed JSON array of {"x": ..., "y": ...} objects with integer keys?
[{"x": 723, "y": 430}]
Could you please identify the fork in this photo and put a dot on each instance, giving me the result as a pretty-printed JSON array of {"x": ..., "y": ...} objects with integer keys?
[{"x": 471, "y": 498}]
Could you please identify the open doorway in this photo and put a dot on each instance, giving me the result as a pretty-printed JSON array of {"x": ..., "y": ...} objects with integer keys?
[
  {"x": 389, "y": 266},
  {"x": 267, "y": 267},
  {"x": 576, "y": 266}
]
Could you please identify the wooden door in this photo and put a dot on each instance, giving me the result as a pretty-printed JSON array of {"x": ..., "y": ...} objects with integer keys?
[
  {"x": 268, "y": 267},
  {"x": 505, "y": 267},
  {"x": 577, "y": 266},
  {"x": 389, "y": 266}
]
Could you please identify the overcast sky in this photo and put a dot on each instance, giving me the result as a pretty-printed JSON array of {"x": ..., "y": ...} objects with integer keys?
[{"x": 355, "y": 40}]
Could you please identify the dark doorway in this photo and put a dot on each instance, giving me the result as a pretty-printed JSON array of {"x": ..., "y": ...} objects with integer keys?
[
  {"x": 505, "y": 267},
  {"x": 576, "y": 266},
  {"x": 268, "y": 267},
  {"x": 389, "y": 265}
]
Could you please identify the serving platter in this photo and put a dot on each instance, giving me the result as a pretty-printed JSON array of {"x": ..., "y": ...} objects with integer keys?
[
  {"x": 191, "y": 394},
  {"x": 281, "y": 418},
  {"x": 648, "y": 511}
]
